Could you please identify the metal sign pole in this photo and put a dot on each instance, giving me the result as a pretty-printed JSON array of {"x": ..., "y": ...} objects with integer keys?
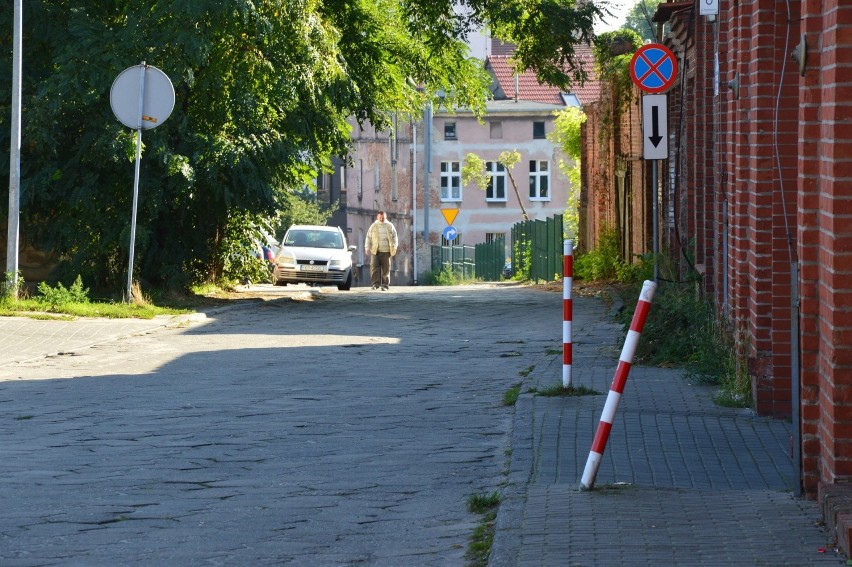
[
  {"x": 655, "y": 212},
  {"x": 129, "y": 296}
]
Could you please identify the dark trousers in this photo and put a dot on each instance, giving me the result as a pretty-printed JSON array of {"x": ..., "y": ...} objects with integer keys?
[{"x": 380, "y": 269}]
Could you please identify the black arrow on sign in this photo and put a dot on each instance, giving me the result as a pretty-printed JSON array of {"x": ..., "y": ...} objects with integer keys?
[{"x": 655, "y": 126}]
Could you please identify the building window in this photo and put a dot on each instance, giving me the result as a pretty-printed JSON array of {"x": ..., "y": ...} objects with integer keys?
[
  {"x": 539, "y": 180},
  {"x": 451, "y": 181},
  {"x": 492, "y": 237},
  {"x": 496, "y": 190},
  {"x": 570, "y": 99},
  {"x": 538, "y": 130},
  {"x": 377, "y": 180},
  {"x": 343, "y": 178},
  {"x": 496, "y": 130},
  {"x": 450, "y": 131}
]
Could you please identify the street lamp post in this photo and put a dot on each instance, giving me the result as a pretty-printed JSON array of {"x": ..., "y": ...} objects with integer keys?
[{"x": 14, "y": 158}]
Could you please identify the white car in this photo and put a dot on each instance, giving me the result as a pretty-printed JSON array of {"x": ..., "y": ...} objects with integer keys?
[{"x": 316, "y": 255}]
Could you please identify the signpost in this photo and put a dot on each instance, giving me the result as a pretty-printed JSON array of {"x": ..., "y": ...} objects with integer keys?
[
  {"x": 655, "y": 136},
  {"x": 142, "y": 97},
  {"x": 654, "y": 70}
]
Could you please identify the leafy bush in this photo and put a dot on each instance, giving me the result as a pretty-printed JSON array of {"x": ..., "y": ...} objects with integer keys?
[
  {"x": 681, "y": 330},
  {"x": 60, "y": 295},
  {"x": 602, "y": 263}
]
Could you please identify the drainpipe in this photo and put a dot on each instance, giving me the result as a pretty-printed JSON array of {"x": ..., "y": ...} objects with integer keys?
[
  {"x": 427, "y": 169},
  {"x": 393, "y": 146},
  {"x": 414, "y": 198}
]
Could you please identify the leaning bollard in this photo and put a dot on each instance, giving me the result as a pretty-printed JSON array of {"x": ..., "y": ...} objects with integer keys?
[
  {"x": 617, "y": 387},
  {"x": 567, "y": 311}
]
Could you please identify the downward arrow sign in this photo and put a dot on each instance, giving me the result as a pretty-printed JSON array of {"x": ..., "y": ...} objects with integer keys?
[
  {"x": 654, "y": 127},
  {"x": 655, "y": 137}
]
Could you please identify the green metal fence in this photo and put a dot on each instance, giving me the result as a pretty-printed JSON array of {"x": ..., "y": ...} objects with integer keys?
[
  {"x": 490, "y": 259},
  {"x": 537, "y": 248},
  {"x": 460, "y": 259}
]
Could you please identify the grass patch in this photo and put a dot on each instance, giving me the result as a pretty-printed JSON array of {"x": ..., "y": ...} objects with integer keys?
[
  {"x": 560, "y": 390},
  {"x": 479, "y": 547},
  {"x": 511, "y": 395},
  {"x": 36, "y": 309},
  {"x": 527, "y": 371},
  {"x": 23, "y": 417},
  {"x": 553, "y": 351},
  {"x": 64, "y": 303}
]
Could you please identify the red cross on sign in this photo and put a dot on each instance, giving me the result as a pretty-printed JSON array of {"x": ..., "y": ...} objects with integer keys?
[{"x": 653, "y": 68}]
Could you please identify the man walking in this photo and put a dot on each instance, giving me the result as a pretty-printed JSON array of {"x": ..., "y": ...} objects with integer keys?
[{"x": 381, "y": 243}]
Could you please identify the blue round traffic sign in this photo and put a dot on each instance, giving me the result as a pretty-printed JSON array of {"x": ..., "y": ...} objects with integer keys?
[
  {"x": 450, "y": 233},
  {"x": 653, "y": 68}
]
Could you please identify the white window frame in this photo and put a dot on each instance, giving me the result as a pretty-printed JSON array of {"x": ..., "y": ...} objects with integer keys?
[
  {"x": 496, "y": 173},
  {"x": 538, "y": 177},
  {"x": 450, "y": 172}
]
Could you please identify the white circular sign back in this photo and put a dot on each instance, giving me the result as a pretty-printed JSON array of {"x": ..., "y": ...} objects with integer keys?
[{"x": 159, "y": 97}]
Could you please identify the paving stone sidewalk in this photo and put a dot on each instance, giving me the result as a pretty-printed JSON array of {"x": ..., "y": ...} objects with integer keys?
[{"x": 682, "y": 480}]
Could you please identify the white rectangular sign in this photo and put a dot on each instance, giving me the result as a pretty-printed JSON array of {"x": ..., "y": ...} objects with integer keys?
[
  {"x": 655, "y": 127},
  {"x": 708, "y": 7}
]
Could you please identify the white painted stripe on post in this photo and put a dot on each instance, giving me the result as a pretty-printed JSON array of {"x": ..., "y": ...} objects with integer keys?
[
  {"x": 612, "y": 401},
  {"x": 592, "y": 464},
  {"x": 567, "y": 283},
  {"x": 629, "y": 348},
  {"x": 566, "y": 328}
]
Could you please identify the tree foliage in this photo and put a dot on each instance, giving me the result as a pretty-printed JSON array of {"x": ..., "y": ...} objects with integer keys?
[
  {"x": 638, "y": 19},
  {"x": 473, "y": 171},
  {"x": 566, "y": 135},
  {"x": 263, "y": 94}
]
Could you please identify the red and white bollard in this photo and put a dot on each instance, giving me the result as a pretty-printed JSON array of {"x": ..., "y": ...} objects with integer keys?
[
  {"x": 567, "y": 310},
  {"x": 617, "y": 387}
]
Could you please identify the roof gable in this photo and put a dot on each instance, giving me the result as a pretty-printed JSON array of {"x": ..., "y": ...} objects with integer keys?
[{"x": 528, "y": 88}]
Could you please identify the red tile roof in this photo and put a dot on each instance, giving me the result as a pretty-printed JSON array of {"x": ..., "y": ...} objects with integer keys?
[{"x": 530, "y": 89}]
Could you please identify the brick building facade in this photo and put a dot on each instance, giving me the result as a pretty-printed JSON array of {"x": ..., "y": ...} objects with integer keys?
[{"x": 757, "y": 185}]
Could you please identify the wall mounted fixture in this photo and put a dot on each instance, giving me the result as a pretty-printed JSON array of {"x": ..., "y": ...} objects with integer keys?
[
  {"x": 734, "y": 85},
  {"x": 800, "y": 55}
]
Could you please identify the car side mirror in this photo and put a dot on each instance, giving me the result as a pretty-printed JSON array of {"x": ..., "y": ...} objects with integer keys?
[{"x": 353, "y": 248}]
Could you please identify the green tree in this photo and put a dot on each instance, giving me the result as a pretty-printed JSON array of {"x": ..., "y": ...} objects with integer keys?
[
  {"x": 566, "y": 135},
  {"x": 473, "y": 171},
  {"x": 639, "y": 17},
  {"x": 263, "y": 91}
]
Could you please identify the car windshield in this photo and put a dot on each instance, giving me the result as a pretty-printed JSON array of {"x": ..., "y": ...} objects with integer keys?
[{"x": 313, "y": 239}]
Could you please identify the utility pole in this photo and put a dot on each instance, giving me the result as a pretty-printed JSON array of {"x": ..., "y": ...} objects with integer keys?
[{"x": 14, "y": 158}]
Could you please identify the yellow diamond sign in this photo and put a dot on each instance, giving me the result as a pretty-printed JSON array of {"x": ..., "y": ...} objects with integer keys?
[{"x": 449, "y": 215}]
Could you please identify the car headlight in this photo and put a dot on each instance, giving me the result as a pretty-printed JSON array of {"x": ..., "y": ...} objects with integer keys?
[
  {"x": 286, "y": 260},
  {"x": 336, "y": 264}
]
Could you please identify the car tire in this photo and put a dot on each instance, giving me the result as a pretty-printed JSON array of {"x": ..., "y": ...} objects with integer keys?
[{"x": 348, "y": 285}]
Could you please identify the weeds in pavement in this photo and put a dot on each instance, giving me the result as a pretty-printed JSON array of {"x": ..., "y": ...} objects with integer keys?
[
  {"x": 448, "y": 276},
  {"x": 527, "y": 371},
  {"x": 560, "y": 390},
  {"x": 511, "y": 395},
  {"x": 683, "y": 330},
  {"x": 483, "y": 536}
]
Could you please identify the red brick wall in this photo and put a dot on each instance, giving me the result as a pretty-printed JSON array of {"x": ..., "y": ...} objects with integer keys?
[
  {"x": 825, "y": 241},
  {"x": 599, "y": 181},
  {"x": 758, "y": 132}
]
